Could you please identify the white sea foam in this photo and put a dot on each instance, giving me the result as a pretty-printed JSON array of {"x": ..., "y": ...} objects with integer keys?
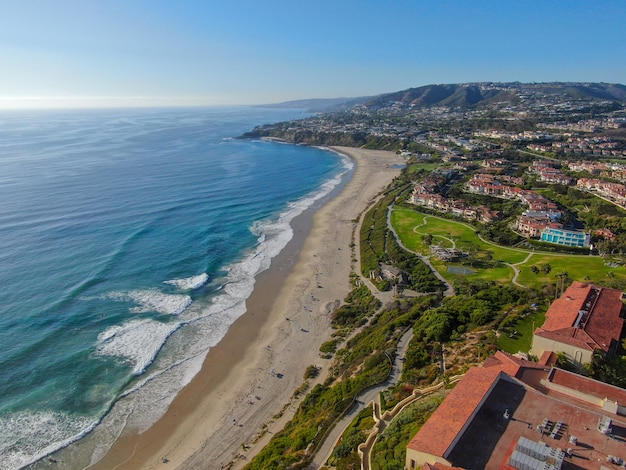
[
  {"x": 273, "y": 236},
  {"x": 27, "y": 437},
  {"x": 189, "y": 283},
  {"x": 139, "y": 341},
  {"x": 153, "y": 300},
  {"x": 136, "y": 342}
]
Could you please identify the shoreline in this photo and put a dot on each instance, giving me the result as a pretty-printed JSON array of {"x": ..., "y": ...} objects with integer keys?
[{"x": 243, "y": 393}]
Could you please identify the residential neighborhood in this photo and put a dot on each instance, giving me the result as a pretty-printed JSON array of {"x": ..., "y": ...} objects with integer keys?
[{"x": 516, "y": 200}]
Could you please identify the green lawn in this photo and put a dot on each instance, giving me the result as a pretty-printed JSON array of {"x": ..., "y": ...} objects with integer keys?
[
  {"x": 501, "y": 273},
  {"x": 428, "y": 166},
  {"x": 522, "y": 340},
  {"x": 411, "y": 226},
  {"x": 580, "y": 268}
]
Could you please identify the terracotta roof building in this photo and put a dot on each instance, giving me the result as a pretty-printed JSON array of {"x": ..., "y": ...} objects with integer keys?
[
  {"x": 508, "y": 405},
  {"x": 437, "y": 437},
  {"x": 583, "y": 319}
]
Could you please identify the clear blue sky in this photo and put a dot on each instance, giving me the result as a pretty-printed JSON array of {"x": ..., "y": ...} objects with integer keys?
[{"x": 180, "y": 52}]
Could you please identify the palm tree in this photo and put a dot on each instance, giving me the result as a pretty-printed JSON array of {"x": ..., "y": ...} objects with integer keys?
[
  {"x": 535, "y": 271},
  {"x": 546, "y": 268},
  {"x": 562, "y": 279}
]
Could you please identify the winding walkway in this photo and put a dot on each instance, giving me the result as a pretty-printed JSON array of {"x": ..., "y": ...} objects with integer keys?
[
  {"x": 515, "y": 268},
  {"x": 449, "y": 292},
  {"x": 382, "y": 421},
  {"x": 452, "y": 242},
  {"x": 362, "y": 400}
]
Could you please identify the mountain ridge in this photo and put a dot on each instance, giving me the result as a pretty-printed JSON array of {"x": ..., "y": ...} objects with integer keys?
[{"x": 465, "y": 95}]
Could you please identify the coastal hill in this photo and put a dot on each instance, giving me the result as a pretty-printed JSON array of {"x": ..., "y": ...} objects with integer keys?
[
  {"x": 392, "y": 121},
  {"x": 320, "y": 105},
  {"x": 468, "y": 95}
]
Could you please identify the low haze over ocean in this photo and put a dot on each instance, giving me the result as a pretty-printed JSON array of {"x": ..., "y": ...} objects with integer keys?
[{"x": 129, "y": 242}]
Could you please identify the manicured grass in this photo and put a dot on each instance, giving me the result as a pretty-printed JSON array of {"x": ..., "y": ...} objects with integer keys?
[
  {"x": 502, "y": 273},
  {"x": 580, "y": 268},
  {"x": 411, "y": 226},
  {"x": 406, "y": 224},
  {"x": 414, "y": 225},
  {"x": 427, "y": 166},
  {"x": 522, "y": 340}
]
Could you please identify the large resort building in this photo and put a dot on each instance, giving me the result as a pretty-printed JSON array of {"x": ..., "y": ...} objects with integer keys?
[
  {"x": 513, "y": 413},
  {"x": 561, "y": 236},
  {"x": 584, "y": 319}
]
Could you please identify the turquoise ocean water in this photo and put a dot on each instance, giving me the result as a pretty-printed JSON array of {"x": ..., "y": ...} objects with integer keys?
[{"x": 129, "y": 242}]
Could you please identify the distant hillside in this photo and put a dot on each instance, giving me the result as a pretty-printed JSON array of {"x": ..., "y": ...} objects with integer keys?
[
  {"x": 320, "y": 104},
  {"x": 467, "y": 95},
  {"x": 477, "y": 94}
]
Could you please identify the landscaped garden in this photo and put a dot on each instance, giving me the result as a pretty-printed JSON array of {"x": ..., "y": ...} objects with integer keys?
[{"x": 419, "y": 231}]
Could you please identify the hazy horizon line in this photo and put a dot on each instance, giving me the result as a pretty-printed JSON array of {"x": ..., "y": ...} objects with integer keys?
[{"x": 113, "y": 102}]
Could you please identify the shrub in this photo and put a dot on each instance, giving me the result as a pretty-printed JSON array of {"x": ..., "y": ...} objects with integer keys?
[
  {"x": 329, "y": 347},
  {"x": 311, "y": 372}
]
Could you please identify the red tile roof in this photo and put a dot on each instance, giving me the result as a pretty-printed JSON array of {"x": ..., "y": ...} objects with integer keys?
[
  {"x": 510, "y": 364},
  {"x": 439, "y": 432},
  {"x": 564, "y": 311},
  {"x": 548, "y": 358},
  {"x": 598, "y": 328},
  {"x": 457, "y": 414},
  {"x": 588, "y": 386},
  {"x": 605, "y": 324}
]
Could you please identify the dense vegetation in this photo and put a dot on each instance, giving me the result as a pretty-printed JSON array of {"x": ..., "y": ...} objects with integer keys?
[
  {"x": 359, "y": 305},
  {"x": 611, "y": 369},
  {"x": 345, "y": 456},
  {"x": 389, "y": 452},
  {"x": 373, "y": 239},
  {"x": 364, "y": 361},
  {"x": 421, "y": 278},
  {"x": 476, "y": 304},
  {"x": 378, "y": 245},
  {"x": 440, "y": 324}
]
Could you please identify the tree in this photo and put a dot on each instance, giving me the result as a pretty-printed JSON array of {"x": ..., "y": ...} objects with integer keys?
[
  {"x": 535, "y": 270},
  {"x": 472, "y": 252},
  {"x": 561, "y": 279},
  {"x": 546, "y": 268}
]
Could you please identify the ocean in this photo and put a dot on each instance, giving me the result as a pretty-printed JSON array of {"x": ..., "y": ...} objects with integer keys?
[{"x": 129, "y": 242}]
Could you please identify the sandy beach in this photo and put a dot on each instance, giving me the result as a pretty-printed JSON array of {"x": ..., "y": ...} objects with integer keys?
[{"x": 244, "y": 392}]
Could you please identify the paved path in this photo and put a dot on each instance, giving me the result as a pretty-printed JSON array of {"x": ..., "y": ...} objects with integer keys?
[
  {"x": 362, "y": 401},
  {"x": 516, "y": 271},
  {"x": 449, "y": 292},
  {"x": 425, "y": 221}
]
